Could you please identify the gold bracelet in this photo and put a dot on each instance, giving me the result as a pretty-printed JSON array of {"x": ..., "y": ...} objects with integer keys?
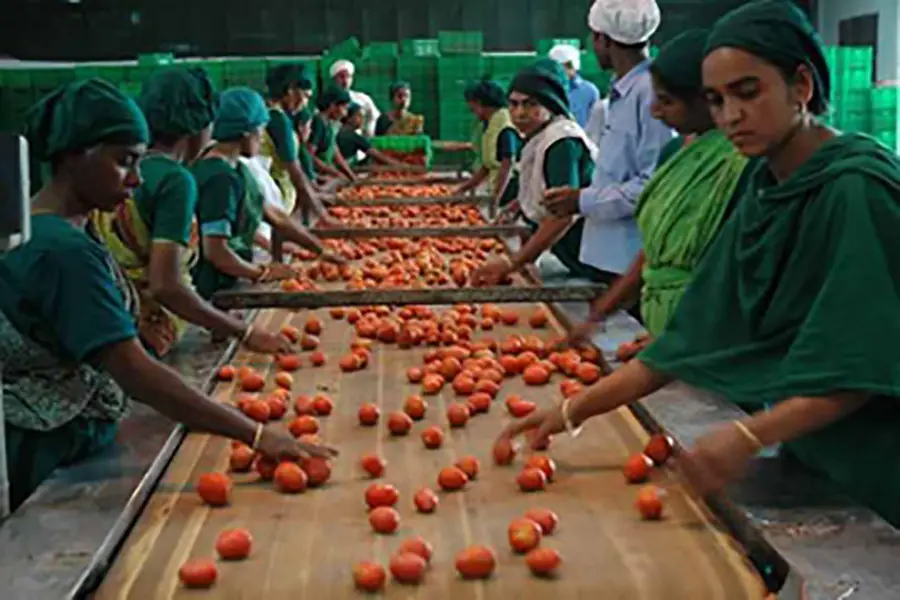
[
  {"x": 257, "y": 437},
  {"x": 751, "y": 437}
]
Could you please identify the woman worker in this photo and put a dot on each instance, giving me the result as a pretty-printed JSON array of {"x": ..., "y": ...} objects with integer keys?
[
  {"x": 354, "y": 147},
  {"x": 399, "y": 121},
  {"x": 500, "y": 142},
  {"x": 230, "y": 204},
  {"x": 556, "y": 149},
  {"x": 763, "y": 319},
  {"x": 687, "y": 200},
  {"x": 289, "y": 88},
  {"x": 151, "y": 235},
  {"x": 68, "y": 342},
  {"x": 327, "y": 158}
]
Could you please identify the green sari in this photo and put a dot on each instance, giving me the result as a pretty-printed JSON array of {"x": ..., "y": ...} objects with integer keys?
[
  {"x": 679, "y": 213},
  {"x": 768, "y": 314}
]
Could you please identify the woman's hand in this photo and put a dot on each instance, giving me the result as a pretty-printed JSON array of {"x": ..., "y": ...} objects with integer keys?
[
  {"x": 332, "y": 257},
  {"x": 267, "y": 343},
  {"x": 278, "y": 272},
  {"x": 492, "y": 272},
  {"x": 507, "y": 214},
  {"x": 582, "y": 334},
  {"x": 562, "y": 201},
  {"x": 543, "y": 423},
  {"x": 717, "y": 459},
  {"x": 279, "y": 446}
]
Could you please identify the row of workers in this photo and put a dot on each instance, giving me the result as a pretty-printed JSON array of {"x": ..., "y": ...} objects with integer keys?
[{"x": 761, "y": 229}]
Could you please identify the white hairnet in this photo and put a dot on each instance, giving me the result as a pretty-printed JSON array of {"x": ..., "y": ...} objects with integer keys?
[
  {"x": 341, "y": 65},
  {"x": 625, "y": 21},
  {"x": 564, "y": 54}
]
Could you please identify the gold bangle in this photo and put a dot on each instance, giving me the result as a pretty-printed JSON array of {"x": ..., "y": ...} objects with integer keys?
[
  {"x": 751, "y": 437},
  {"x": 257, "y": 437}
]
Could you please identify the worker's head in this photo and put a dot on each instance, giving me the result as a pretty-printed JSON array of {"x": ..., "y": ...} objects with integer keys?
[
  {"x": 333, "y": 102},
  {"x": 568, "y": 57},
  {"x": 180, "y": 106},
  {"x": 621, "y": 26},
  {"x": 242, "y": 119},
  {"x": 484, "y": 98},
  {"x": 677, "y": 73},
  {"x": 765, "y": 75},
  {"x": 302, "y": 123},
  {"x": 354, "y": 118},
  {"x": 341, "y": 73},
  {"x": 400, "y": 93},
  {"x": 290, "y": 85},
  {"x": 93, "y": 136},
  {"x": 537, "y": 94}
]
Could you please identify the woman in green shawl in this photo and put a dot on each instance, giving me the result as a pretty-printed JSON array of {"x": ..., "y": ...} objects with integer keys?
[
  {"x": 68, "y": 342},
  {"x": 354, "y": 146},
  {"x": 684, "y": 205},
  {"x": 765, "y": 319},
  {"x": 230, "y": 205},
  {"x": 152, "y": 235},
  {"x": 399, "y": 121},
  {"x": 500, "y": 142},
  {"x": 332, "y": 104}
]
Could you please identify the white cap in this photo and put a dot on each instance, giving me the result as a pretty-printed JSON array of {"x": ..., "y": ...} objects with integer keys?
[
  {"x": 341, "y": 65},
  {"x": 565, "y": 54},
  {"x": 625, "y": 21}
]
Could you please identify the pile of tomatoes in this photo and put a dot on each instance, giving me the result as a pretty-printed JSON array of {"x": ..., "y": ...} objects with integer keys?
[{"x": 372, "y": 192}]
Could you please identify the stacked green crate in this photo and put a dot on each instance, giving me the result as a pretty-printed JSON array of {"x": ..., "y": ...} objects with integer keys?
[
  {"x": 454, "y": 74},
  {"x": 420, "y": 47},
  {"x": 374, "y": 76},
  {"x": 502, "y": 67},
  {"x": 18, "y": 95},
  {"x": 421, "y": 72},
  {"x": 250, "y": 72},
  {"x": 460, "y": 42},
  {"x": 851, "y": 83},
  {"x": 886, "y": 116},
  {"x": 115, "y": 74}
]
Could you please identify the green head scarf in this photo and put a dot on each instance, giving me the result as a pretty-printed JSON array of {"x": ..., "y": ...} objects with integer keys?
[
  {"x": 545, "y": 81},
  {"x": 396, "y": 87},
  {"x": 353, "y": 109},
  {"x": 178, "y": 102},
  {"x": 82, "y": 114},
  {"x": 486, "y": 92},
  {"x": 778, "y": 32},
  {"x": 333, "y": 95},
  {"x": 241, "y": 110},
  {"x": 283, "y": 77},
  {"x": 679, "y": 65}
]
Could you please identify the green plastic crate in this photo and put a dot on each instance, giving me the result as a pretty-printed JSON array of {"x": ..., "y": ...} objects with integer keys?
[
  {"x": 856, "y": 121},
  {"x": 508, "y": 64},
  {"x": 156, "y": 59},
  {"x": 459, "y": 70},
  {"x": 406, "y": 144},
  {"x": 381, "y": 49},
  {"x": 888, "y": 138},
  {"x": 17, "y": 78},
  {"x": 460, "y": 42},
  {"x": 349, "y": 49},
  {"x": 53, "y": 77},
  {"x": 420, "y": 47},
  {"x": 544, "y": 46},
  {"x": 115, "y": 74}
]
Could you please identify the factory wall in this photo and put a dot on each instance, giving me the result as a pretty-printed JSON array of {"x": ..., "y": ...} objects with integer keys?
[{"x": 832, "y": 12}]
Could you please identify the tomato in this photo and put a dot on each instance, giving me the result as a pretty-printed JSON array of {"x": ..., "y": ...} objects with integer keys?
[
  {"x": 426, "y": 501},
  {"x": 288, "y": 362},
  {"x": 415, "y": 407},
  {"x": 524, "y": 535},
  {"x": 304, "y": 407},
  {"x": 452, "y": 478},
  {"x": 323, "y": 405},
  {"x": 384, "y": 519},
  {"x": 277, "y": 408},
  {"x": 546, "y": 518},
  {"x": 408, "y": 568},
  {"x": 504, "y": 453},
  {"x": 226, "y": 373},
  {"x": 637, "y": 468},
  {"x": 521, "y": 409},
  {"x": 284, "y": 380},
  {"x": 433, "y": 437},
  {"x": 368, "y": 415},
  {"x": 399, "y": 423},
  {"x": 265, "y": 467},
  {"x": 458, "y": 415},
  {"x": 234, "y": 544},
  {"x": 198, "y": 573},
  {"x": 258, "y": 410},
  {"x": 317, "y": 469},
  {"x": 241, "y": 459},
  {"x": 290, "y": 478},
  {"x": 369, "y": 576},
  {"x": 253, "y": 382},
  {"x": 659, "y": 448},
  {"x": 649, "y": 503},
  {"x": 416, "y": 545},
  {"x": 469, "y": 465},
  {"x": 476, "y": 562},
  {"x": 214, "y": 488},
  {"x": 532, "y": 480},
  {"x": 479, "y": 402},
  {"x": 291, "y": 333},
  {"x": 543, "y": 562},
  {"x": 414, "y": 374},
  {"x": 588, "y": 373},
  {"x": 538, "y": 319},
  {"x": 317, "y": 358},
  {"x": 304, "y": 426},
  {"x": 373, "y": 465},
  {"x": 536, "y": 375},
  {"x": 544, "y": 463},
  {"x": 381, "y": 494},
  {"x": 313, "y": 326}
]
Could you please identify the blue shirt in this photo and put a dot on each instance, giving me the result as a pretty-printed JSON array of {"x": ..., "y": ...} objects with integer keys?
[
  {"x": 628, "y": 153},
  {"x": 582, "y": 97}
]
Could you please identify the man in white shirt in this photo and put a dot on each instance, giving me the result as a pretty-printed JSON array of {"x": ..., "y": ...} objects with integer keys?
[{"x": 342, "y": 72}]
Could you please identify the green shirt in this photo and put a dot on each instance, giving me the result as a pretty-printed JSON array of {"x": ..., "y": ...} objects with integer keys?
[
  {"x": 61, "y": 302},
  {"x": 322, "y": 137},
  {"x": 220, "y": 190},
  {"x": 280, "y": 129},
  {"x": 383, "y": 123},
  {"x": 350, "y": 142},
  {"x": 568, "y": 163},
  {"x": 167, "y": 199},
  {"x": 307, "y": 164},
  {"x": 670, "y": 150}
]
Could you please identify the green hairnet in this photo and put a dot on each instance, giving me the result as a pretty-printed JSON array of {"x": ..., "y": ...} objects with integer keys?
[
  {"x": 679, "y": 65},
  {"x": 353, "y": 109},
  {"x": 396, "y": 87},
  {"x": 281, "y": 78},
  {"x": 82, "y": 114},
  {"x": 331, "y": 96},
  {"x": 241, "y": 110},
  {"x": 178, "y": 102},
  {"x": 545, "y": 81},
  {"x": 486, "y": 92},
  {"x": 776, "y": 31}
]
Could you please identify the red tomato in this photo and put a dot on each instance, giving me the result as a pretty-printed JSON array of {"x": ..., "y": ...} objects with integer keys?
[
  {"x": 368, "y": 415},
  {"x": 532, "y": 480},
  {"x": 544, "y": 463},
  {"x": 234, "y": 544},
  {"x": 659, "y": 448},
  {"x": 476, "y": 562},
  {"x": 373, "y": 465},
  {"x": 433, "y": 437},
  {"x": 198, "y": 573},
  {"x": 408, "y": 568},
  {"x": 544, "y": 517},
  {"x": 469, "y": 465},
  {"x": 384, "y": 519},
  {"x": 543, "y": 562},
  {"x": 369, "y": 576},
  {"x": 637, "y": 468},
  {"x": 524, "y": 535},
  {"x": 452, "y": 478},
  {"x": 504, "y": 453},
  {"x": 214, "y": 488},
  {"x": 381, "y": 494},
  {"x": 416, "y": 545},
  {"x": 426, "y": 501}
]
